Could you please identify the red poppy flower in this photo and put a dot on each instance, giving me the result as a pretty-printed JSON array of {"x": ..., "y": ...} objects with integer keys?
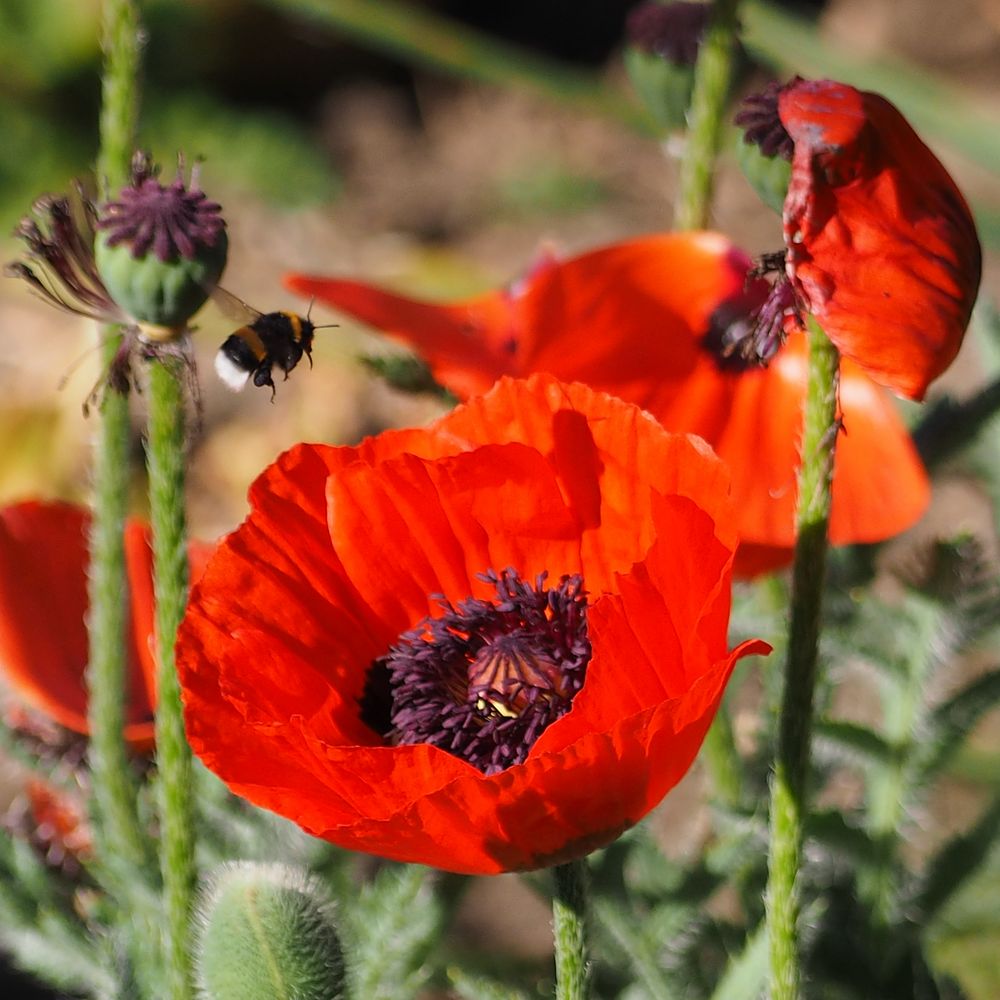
[
  {"x": 645, "y": 320},
  {"x": 43, "y": 607},
  {"x": 881, "y": 246},
  {"x": 378, "y": 654}
]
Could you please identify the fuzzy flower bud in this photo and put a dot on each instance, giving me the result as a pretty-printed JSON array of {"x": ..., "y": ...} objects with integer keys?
[
  {"x": 266, "y": 931},
  {"x": 161, "y": 249}
]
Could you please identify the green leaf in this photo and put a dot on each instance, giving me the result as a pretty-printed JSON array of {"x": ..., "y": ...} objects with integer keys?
[
  {"x": 39, "y": 929},
  {"x": 642, "y": 946},
  {"x": 390, "y": 930},
  {"x": 746, "y": 975},
  {"x": 861, "y": 743},
  {"x": 846, "y": 841},
  {"x": 950, "y": 723},
  {"x": 953, "y": 865},
  {"x": 475, "y": 987}
]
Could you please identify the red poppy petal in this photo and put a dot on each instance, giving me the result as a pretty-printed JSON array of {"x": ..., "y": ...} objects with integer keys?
[
  {"x": 662, "y": 630},
  {"x": 43, "y": 605},
  {"x": 879, "y": 487},
  {"x": 661, "y": 289},
  {"x": 565, "y": 318},
  {"x": 414, "y": 529},
  {"x": 618, "y": 446},
  {"x": 881, "y": 244}
]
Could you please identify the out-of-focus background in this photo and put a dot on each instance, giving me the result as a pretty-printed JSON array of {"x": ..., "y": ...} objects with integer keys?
[{"x": 335, "y": 148}]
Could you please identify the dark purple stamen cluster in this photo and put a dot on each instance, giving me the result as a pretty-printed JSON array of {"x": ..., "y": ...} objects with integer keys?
[
  {"x": 748, "y": 329},
  {"x": 673, "y": 31},
  {"x": 173, "y": 221},
  {"x": 761, "y": 123},
  {"x": 485, "y": 678},
  {"x": 59, "y": 235}
]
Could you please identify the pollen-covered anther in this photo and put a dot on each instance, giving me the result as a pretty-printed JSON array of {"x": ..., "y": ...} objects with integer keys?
[{"x": 485, "y": 679}]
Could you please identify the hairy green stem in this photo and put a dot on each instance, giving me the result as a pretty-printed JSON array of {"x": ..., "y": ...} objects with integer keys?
[
  {"x": 166, "y": 457},
  {"x": 789, "y": 806},
  {"x": 569, "y": 920},
  {"x": 117, "y": 831},
  {"x": 713, "y": 73}
]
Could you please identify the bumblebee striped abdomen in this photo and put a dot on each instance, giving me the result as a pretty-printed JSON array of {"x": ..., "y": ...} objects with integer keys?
[{"x": 272, "y": 339}]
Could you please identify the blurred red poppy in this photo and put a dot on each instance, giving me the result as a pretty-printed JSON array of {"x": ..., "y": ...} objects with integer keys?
[
  {"x": 43, "y": 607},
  {"x": 643, "y": 320},
  {"x": 881, "y": 246},
  {"x": 378, "y": 654}
]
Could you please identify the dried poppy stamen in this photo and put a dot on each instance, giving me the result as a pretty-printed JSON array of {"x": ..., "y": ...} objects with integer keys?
[
  {"x": 748, "y": 329},
  {"x": 761, "y": 123},
  {"x": 485, "y": 679},
  {"x": 172, "y": 221}
]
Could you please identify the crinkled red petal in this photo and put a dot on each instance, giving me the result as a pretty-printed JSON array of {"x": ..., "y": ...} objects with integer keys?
[
  {"x": 882, "y": 247},
  {"x": 565, "y": 318}
]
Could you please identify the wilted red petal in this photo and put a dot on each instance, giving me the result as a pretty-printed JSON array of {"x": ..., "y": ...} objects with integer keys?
[
  {"x": 882, "y": 247},
  {"x": 566, "y": 318},
  {"x": 283, "y": 627},
  {"x": 43, "y": 607}
]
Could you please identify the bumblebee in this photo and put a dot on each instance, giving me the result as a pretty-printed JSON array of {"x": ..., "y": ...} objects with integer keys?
[{"x": 267, "y": 340}]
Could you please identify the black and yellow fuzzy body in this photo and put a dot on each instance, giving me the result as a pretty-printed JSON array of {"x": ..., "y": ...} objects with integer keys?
[{"x": 272, "y": 340}]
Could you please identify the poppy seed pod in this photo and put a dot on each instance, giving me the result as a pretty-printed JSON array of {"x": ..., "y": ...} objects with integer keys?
[{"x": 160, "y": 250}]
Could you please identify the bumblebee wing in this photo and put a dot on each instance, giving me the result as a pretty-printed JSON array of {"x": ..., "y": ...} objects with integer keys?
[{"x": 232, "y": 307}]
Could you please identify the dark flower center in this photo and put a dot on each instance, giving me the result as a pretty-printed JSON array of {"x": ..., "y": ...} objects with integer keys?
[
  {"x": 761, "y": 124},
  {"x": 748, "y": 329},
  {"x": 672, "y": 31},
  {"x": 174, "y": 221},
  {"x": 485, "y": 678}
]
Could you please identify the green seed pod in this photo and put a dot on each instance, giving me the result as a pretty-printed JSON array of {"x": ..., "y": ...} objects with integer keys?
[
  {"x": 768, "y": 175},
  {"x": 161, "y": 249},
  {"x": 160, "y": 293},
  {"x": 265, "y": 932}
]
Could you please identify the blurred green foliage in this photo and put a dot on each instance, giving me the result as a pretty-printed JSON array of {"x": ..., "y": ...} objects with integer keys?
[{"x": 49, "y": 91}]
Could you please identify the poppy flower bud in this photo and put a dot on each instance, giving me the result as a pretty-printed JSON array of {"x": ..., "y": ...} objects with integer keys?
[
  {"x": 161, "y": 249},
  {"x": 663, "y": 41},
  {"x": 265, "y": 931}
]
